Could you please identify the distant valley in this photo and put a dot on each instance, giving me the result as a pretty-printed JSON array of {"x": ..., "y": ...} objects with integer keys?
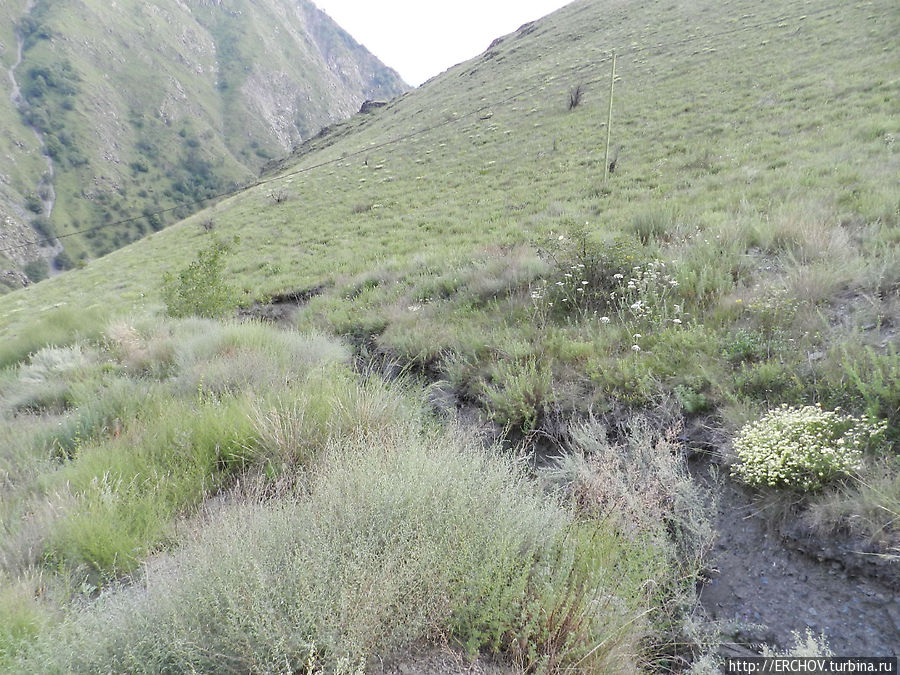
[{"x": 113, "y": 112}]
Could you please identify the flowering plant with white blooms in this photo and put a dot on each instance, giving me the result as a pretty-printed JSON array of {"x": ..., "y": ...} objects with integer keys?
[
  {"x": 803, "y": 447},
  {"x": 598, "y": 280},
  {"x": 584, "y": 273},
  {"x": 644, "y": 295}
]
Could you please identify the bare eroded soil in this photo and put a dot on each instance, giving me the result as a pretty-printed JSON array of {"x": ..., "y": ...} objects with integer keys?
[{"x": 761, "y": 588}]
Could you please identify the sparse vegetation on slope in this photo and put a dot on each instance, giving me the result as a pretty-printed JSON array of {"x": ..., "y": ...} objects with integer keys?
[
  {"x": 742, "y": 255},
  {"x": 388, "y": 530}
]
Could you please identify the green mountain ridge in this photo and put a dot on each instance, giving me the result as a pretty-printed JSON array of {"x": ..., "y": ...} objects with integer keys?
[
  {"x": 480, "y": 105},
  {"x": 142, "y": 107}
]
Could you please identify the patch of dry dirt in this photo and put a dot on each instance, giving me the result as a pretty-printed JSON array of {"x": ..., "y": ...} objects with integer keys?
[
  {"x": 280, "y": 308},
  {"x": 762, "y": 586}
]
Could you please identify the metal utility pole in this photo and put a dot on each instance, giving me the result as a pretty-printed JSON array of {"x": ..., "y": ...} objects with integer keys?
[{"x": 612, "y": 84}]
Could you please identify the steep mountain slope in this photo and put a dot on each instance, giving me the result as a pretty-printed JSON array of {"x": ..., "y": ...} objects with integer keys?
[
  {"x": 23, "y": 165},
  {"x": 741, "y": 254},
  {"x": 487, "y": 153},
  {"x": 141, "y": 107}
]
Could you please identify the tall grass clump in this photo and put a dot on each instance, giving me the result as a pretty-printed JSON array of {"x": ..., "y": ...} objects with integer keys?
[
  {"x": 128, "y": 489},
  {"x": 23, "y": 458},
  {"x": 657, "y": 224},
  {"x": 43, "y": 383},
  {"x": 145, "y": 349},
  {"x": 710, "y": 268},
  {"x": 635, "y": 479},
  {"x": 868, "y": 505},
  {"x": 638, "y": 478},
  {"x": 20, "y": 619},
  {"x": 58, "y": 327},
  {"x": 805, "y": 232},
  {"x": 99, "y": 409},
  {"x": 501, "y": 276},
  {"x": 420, "y": 539},
  {"x": 221, "y": 358},
  {"x": 294, "y": 428}
]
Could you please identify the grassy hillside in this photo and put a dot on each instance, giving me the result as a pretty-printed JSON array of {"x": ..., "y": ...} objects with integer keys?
[
  {"x": 144, "y": 108},
  {"x": 742, "y": 255},
  {"x": 779, "y": 184}
]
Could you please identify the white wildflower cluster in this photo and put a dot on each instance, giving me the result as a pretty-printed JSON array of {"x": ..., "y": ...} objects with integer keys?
[
  {"x": 645, "y": 293},
  {"x": 570, "y": 291},
  {"x": 603, "y": 282},
  {"x": 803, "y": 447},
  {"x": 641, "y": 298}
]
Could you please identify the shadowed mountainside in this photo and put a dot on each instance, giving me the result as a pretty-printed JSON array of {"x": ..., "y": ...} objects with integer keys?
[{"x": 141, "y": 107}]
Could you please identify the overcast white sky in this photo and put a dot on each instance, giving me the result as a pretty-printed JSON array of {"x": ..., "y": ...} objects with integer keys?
[{"x": 421, "y": 38}]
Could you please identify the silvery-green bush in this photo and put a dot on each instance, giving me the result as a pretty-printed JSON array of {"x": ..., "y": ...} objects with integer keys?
[{"x": 803, "y": 447}]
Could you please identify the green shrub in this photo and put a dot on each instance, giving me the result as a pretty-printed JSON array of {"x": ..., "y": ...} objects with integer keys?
[
  {"x": 628, "y": 379},
  {"x": 803, "y": 447},
  {"x": 584, "y": 272},
  {"x": 44, "y": 227},
  {"x": 37, "y": 270},
  {"x": 200, "y": 289},
  {"x": 773, "y": 312},
  {"x": 744, "y": 345},
  {"x": 858, "y": 376},
  {"x": 521, "y": 393},
  {"x": 771, "y": 381},
  {"x": 33, "y": 203},
  {"x": 691, "y": 400},
  {"x": 64, "y": 261}
]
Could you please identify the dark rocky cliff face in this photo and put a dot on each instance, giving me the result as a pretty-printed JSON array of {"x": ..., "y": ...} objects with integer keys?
[{"x": 110, "y": 110}]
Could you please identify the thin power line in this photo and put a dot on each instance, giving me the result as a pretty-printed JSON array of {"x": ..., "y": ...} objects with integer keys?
[{"x": 264, "y": 181}]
